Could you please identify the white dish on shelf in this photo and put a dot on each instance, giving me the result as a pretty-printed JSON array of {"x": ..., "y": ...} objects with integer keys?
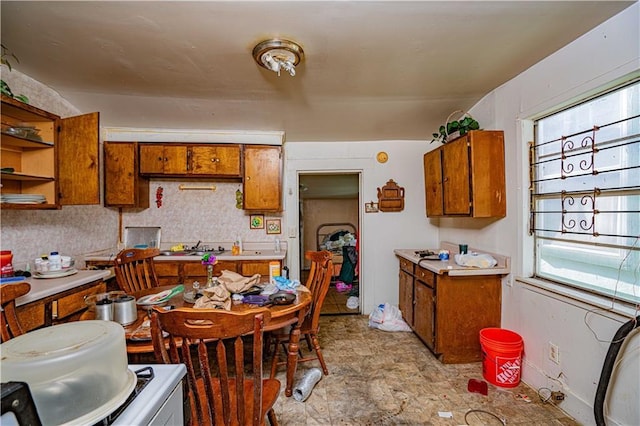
[{"x": 56, "y": 274}]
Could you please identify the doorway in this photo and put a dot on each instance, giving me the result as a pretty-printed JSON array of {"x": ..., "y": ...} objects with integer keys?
[{"x": 329, "y": 220}]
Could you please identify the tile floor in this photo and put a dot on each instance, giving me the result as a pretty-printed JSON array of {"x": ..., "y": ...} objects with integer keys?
[
  {"x": 383, "y": 378},
  {"x": 336, "y": 302}
]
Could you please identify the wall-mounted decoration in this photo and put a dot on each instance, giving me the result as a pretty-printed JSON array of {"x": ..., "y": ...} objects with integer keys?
[
  {"x": 159, "y": 194},
  {"x": 391, "y": 197},
  {"x": 371, "y": 207},
  {"x": 256, "y": 221},
  {"x": 273, "y": 226},
  {"x": 382, "y": 157},
  {"x": 238, "y": 199}
]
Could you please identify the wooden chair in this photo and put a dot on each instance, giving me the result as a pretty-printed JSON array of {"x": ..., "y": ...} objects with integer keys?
[
  {"x": 318, "y": 283},
  {"x": 223, "y": 389},
  {"x": 135, "y": 269},
  {"x": 8, "y": 317}
]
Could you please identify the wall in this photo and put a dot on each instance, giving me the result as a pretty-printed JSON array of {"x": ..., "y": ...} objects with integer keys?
[
  {"x": 380, "y": 233},
  {"x": 581, "y": 330},
  {"x": 185, "y": 216}
]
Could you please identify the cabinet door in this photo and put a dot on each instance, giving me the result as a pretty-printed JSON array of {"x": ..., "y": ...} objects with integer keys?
[
  {"x": 123, "y": 187},
  {"x": 249, "y": 268},
  {"x": 433, "y": 182},
  {"x": 424, "y": 313},
  {"x": 406, "y": 297},
  {"x": 456, "y": 180},
  {"x": 175, "y": 160},
  {"x": 216, "y": 160},
  {"x": 78, "y": 170},
  {"x": 163, "y": 159},
  {"x": 262, "y": 178},
  {"x": 151, "y": 158},
  {"x": 168, "y": 273}
]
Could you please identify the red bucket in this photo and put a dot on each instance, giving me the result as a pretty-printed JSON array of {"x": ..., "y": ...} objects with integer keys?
[{"x": 501, "y": 356}]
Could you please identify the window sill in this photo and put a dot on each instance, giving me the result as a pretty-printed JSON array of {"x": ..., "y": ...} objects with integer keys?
[{"x": 619, "y": 310}]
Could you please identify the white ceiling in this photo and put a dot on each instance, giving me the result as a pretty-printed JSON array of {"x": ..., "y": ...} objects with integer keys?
[{"x": 373, "y": 70}]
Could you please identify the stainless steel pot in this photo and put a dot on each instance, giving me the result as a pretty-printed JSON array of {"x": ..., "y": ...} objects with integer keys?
[{"x": 124, "y": 310}]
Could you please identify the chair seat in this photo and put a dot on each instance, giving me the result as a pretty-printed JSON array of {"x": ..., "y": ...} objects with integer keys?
[{"x": 270, "y": 392}]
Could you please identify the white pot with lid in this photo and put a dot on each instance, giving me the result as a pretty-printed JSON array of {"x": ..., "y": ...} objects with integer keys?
[{"x": 77, "y": 372}]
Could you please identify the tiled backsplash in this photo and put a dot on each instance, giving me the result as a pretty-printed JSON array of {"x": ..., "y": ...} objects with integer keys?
[{"x": 185, "y": 216}]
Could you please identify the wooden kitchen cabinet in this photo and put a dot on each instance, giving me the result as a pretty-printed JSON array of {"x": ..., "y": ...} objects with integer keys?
[
  {"x": 262, "y": 180},
  {"x": 448, "y": 312},
  {"x": 163, "y": 159},
  {"x": 123, "y": 187},
  {"x": 58, "y": 308},
  {"x": 190, "y": 160},
  {"x": 466, "y": 177},
  {"x": 218, "y": 160},
  {"x": 60, "y": 162},
  {"x": 406, "y": 279},
  {"x": 172, "y": 272}
]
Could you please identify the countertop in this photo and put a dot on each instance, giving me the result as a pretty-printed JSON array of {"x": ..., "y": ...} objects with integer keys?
[
  {"x": 251, "y": 251},
  {"x": 450, "y": 266},
  {"x": 43, "y": 287}
]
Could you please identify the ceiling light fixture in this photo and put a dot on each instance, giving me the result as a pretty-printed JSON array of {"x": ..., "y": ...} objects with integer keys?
[{"x": 277, "y": 54}]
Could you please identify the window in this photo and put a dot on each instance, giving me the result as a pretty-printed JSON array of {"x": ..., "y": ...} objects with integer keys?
[{"x": 585, "y": 195}]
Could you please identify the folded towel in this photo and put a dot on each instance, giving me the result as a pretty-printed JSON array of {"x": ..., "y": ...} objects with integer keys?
[{"x": 476, "y": 260}]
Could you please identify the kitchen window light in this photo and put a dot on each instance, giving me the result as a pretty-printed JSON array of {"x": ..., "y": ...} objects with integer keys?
[{"x": 585, "y": 194}]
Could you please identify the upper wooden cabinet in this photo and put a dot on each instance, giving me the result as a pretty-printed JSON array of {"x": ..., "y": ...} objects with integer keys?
[
  {"x": 218, "y": 160},
  {"x": 466, "y": 177},
  {"x": 262, "y": 178},
  {"x": 205, "y": 160},
  {"x": 123, "y": 187},
  {"x": 60, "y": 162}
]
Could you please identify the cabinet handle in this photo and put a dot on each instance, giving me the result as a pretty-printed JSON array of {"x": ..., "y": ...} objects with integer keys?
[{"x": 215, "y": 160}]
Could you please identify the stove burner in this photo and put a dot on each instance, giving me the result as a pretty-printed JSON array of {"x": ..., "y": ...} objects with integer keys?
[
  {"x": 145, "y": 375},
  {"x": 425, "y": 253}
]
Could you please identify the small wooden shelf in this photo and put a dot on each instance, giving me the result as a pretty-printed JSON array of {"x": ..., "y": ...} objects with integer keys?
[
  {"x": 26, "y": 177},
  {"x": 25, "y": 143}
]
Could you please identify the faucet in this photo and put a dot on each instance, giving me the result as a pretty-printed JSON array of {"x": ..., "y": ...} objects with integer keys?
[{"x": 196, "y": 246}]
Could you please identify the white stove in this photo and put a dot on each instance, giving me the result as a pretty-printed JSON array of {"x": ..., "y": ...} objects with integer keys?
[
  {"x": 161, "y": 399},
  {"x": 157, "y": 399}
]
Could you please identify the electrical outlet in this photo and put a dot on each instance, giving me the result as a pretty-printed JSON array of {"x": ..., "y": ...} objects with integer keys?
[
  {"x": 557, "y": 396},
  {"x": 554, "y": 353},
  {"x": 510, "y": 280}
]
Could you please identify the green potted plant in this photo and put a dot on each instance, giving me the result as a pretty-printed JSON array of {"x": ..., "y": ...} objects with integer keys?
[
  {"x": 461, "y": 126},
  {"x": 6, "y": 90}
]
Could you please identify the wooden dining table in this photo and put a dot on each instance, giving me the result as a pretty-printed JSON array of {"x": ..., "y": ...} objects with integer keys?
[{"x": 138, "y": 333}]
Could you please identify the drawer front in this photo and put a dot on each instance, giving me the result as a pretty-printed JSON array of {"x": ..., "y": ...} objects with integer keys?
[
  {"x": 197, "y": 269},
  {"x": 167, "y": 269},
  {"x": 406, "y": 265},
  {"x": 426, "y": 276},
  {"x": 31, "y": 316},
  {"x": 73, "y": 303}
]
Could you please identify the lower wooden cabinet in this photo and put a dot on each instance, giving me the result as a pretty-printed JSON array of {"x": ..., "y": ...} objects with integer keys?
[
  {"x": 187, "y": 271},
  {"x": 58, "y": 308},
  {"x": 448, "y": 312}
]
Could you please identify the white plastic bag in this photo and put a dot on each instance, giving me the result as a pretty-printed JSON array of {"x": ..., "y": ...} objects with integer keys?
[{"x": 387, "y": 317}]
